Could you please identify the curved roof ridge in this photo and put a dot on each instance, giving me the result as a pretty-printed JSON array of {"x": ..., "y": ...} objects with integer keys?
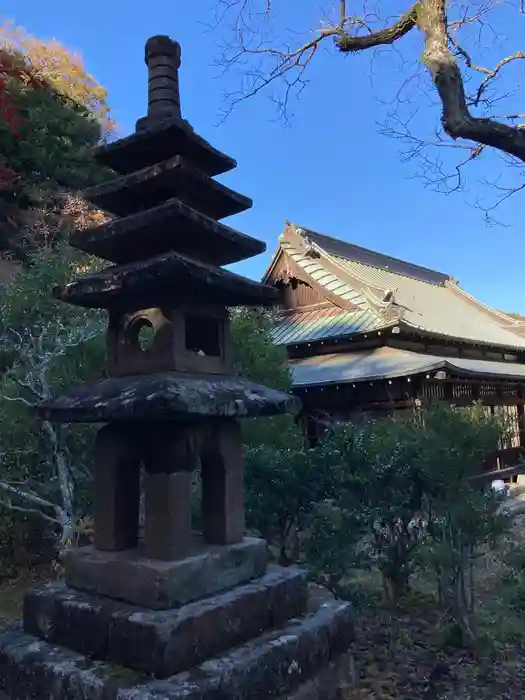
[
  {"x": 372, "y": 258},
  {"x": 499, "y": 314}
]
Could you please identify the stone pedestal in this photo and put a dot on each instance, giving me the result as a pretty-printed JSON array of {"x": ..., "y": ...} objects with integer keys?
[
  {"x": 160, "y": 585},
  {"x": 164, "y": 642},
  {"x": 252, "y": 643},
  {"x": 217, "y": 624}
]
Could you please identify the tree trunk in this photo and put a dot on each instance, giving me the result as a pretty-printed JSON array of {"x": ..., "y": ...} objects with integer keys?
[
  {"x": 395, "y": 585},
  {"x": 457, "y": 121}
]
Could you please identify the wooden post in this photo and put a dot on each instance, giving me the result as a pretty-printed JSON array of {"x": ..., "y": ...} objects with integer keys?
[{"x": 521, "y": 416}]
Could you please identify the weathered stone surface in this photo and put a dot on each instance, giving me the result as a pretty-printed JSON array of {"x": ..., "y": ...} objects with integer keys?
[
  {"x": 317, "y": 596},
  {"x": 273, "y": 665},
  {"x": 222, "y": 484},
  {"x": 157, "y": 140},
  {"x": 175, "y": 177},
  {"x": 171, "y": 225},
  {"x": 167, "y": 397},
  {"x": 163, "y": 643},
  {"x": 153, "y": 282},
  {"x": 161, "y": 585},
  {"x": 167, "y": 524},
  {"x": 163, "y": 61},
  {"x": 31, "y": 669}
]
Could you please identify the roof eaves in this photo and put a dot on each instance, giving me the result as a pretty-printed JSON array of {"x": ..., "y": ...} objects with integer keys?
[
  {"x": 319, "y": 325},
  {"x": 432, "y": 365},
  {"x": 340, "y": 337},
  {"x": 406, "y": 325},
  {"x": 273, "y": 262}
]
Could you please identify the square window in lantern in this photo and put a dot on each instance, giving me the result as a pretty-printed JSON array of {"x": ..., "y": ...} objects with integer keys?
[{"x": 203, "y": 335}]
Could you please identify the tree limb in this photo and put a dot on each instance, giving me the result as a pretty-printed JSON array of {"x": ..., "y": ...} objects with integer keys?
[
  {"x": 32, "y": 511},
  {"x": 458, "y": 122},
  {"x": 464, "y": 110},
  {"x": 406, "y": 22},
  {"x": 28, "y": 496},
  {"x": 456, "y": 118}
]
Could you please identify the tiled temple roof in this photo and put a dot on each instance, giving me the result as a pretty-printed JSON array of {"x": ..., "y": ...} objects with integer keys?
[
  {"x": 421, "y": 299},
  {"x": 389, "y": 363},
  {"x": 307, "y": 326}
]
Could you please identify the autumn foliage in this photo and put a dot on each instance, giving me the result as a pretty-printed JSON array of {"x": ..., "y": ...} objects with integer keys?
[
  {"x": 52, "y": 114},
  {"x": 49, "y": 64},
  {"x": 10, "y": 69}
]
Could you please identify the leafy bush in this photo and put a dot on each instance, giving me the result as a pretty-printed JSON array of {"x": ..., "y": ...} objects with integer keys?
[
  {"x": 379, "y": 494},
  {"x": 464, "y": 515},
  {"x": 284, "y": 485},
  {"x": 404, "y": 493},
  {"x": 385, "y": 495}
]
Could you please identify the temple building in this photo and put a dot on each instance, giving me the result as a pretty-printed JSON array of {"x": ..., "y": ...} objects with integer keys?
[{"x": 369, "y": 334}]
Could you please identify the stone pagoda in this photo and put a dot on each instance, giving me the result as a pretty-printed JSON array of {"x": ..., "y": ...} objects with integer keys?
[{"x": 173, "y": 613}]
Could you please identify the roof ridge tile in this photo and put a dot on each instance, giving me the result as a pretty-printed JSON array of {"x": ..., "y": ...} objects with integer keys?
[{"x": 373, "y": 258}]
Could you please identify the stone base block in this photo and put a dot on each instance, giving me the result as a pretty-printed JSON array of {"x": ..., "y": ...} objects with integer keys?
[
  {"x": 164, "y": 643},
  {"x": 275, "y": 664},
  {"x": 161, "y": 585}
]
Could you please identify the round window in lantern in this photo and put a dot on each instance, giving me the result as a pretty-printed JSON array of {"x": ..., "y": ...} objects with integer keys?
[{"x": 141, "y": 334}]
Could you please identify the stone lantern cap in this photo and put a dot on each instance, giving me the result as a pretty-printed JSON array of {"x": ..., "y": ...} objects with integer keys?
[{"x": 167, "y": 396}]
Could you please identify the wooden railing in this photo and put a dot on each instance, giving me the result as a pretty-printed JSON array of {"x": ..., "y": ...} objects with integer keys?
[{"x": 503, "y": 464}]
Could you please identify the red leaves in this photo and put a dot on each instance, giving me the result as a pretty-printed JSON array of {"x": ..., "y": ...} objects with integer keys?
[
  {"x": 9, "y": 113},
  {"x": 8, "y": 110}
]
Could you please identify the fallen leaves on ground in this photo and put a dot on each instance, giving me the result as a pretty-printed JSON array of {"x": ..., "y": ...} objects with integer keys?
[{"x": 403, "y": 655}]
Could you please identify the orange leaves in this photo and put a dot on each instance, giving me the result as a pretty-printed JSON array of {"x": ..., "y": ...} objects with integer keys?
[{"x": 50, "y": 64}]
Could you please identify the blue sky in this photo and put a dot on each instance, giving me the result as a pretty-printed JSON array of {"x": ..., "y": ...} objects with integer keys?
[{"x": 329, "y": 170}]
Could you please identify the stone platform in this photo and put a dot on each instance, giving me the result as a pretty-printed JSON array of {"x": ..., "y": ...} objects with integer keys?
[
  {"x": 161, "y": 585},
  {"x": 282, "y": 663},
  {"x": 164, "y": 643},
  {"x": 269, "y": 637}
]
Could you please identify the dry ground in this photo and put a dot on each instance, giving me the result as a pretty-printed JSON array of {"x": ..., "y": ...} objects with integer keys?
[{"x": 414, "y": 653}]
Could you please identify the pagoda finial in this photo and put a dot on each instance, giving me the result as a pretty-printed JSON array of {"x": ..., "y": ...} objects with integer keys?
[{"x": 162, "y": 57}]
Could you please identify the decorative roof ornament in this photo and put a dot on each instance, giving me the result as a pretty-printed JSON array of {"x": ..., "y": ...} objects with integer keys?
[{"x": 311, "y": 251}]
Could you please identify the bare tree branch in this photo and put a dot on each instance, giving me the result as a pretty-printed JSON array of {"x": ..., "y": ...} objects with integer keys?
[
  {"x": 347, "y": 43},
  {"x": 467, "y": 94},
  {"x": 456, "y": 118}
]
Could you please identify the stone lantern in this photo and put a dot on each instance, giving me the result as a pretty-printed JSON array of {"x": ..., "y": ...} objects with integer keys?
[{"x": 179, "y": 610}]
